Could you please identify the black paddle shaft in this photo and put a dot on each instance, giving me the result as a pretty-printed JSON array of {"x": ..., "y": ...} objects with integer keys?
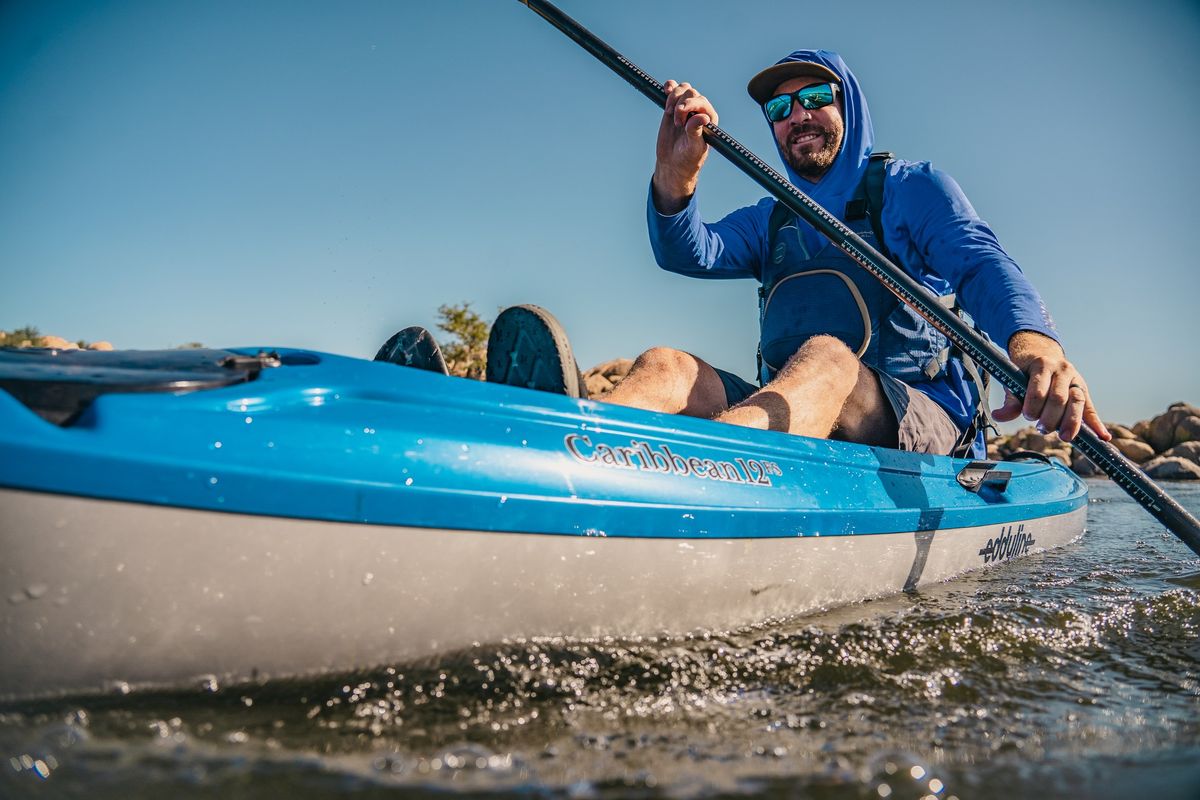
[{"x": 1123, "y": 471}]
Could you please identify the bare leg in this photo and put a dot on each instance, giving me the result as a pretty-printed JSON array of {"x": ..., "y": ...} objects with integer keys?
[
  {"x": 671, "y": 381},
  {"x": 823, "y": 391}
]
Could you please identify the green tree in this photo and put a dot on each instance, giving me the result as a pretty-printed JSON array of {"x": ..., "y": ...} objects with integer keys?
[
  {"x": 466, "y": 353},
  {"x": 20, "y": 336}
]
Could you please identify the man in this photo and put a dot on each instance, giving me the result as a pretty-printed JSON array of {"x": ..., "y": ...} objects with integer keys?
[{"x": 840, "y": 356}]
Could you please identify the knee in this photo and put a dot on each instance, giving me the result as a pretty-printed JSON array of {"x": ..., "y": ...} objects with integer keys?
[
  {"x": 829, "y": 351},
  {"x": 665, "y": 361}
]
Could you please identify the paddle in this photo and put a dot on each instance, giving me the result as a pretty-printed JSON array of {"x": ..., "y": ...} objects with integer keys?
[{"x": 1123, "y": 471}]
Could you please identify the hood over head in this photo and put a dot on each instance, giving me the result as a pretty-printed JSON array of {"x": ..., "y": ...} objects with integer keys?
[{"x": 836, "y": 187}]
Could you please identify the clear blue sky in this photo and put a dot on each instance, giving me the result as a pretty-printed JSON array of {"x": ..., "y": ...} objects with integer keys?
[{"x": 321, "y": 174}]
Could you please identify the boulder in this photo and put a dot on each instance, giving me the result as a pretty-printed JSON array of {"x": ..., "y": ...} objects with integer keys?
[
  {"x": 597, "y": 385},
  {"x": 1120, "y": 431},
  {"x": 1063, "y": 453},
  {"x": 616, "y": 368},
  {"x": 1172, "y": 469},
  {"x": 1030, "y": 439},
  {"x": 1162, "y": 427},
  {"x": 1141, "y": 430},
  {"x": 1135, "y": 450},
  {"x": 1082, "y": 466},
  {"x": 58, "y": 343},
  {"x": 1188, "y": 430},
  {"x": 1188, "y": 450},
  {"x": 100, "y": 346}
]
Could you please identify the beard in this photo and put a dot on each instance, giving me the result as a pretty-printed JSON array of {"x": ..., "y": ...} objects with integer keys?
[{"x": 812, "y": 163}]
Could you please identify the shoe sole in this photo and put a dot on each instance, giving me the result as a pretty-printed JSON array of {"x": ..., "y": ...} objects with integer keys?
[
  {"x": 528, "y": 347},
  {"x": 413, "y": 347}
]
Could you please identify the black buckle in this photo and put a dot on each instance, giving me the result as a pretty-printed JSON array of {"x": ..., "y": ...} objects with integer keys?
[
  {"x": 254, "y": 363},
  {"x": 977, "y": 474}
]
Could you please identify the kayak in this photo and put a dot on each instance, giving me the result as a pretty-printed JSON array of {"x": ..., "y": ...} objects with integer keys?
[{"x": 173, "y": 517}]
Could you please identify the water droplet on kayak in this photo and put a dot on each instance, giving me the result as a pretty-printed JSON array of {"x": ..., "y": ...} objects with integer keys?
[
  {"x": 366, "y": 581},
  {"x": 249, "y": 420},
  {"x": 209, "y": 683},
  {"x": 17, "y": 597},
  {"x": 213, "y": 480},
  {"x": 216, "y": 445},
  {"x": 408, "y": 481},
  {"x": 36, "y": 590},
  {"x": 466, "y": 449}
]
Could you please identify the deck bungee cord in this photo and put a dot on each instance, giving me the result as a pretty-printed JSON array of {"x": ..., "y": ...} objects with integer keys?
[{"x": 1123, "y": 472}]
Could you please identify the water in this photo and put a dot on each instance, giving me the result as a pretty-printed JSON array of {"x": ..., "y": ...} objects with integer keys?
[{"x": 1071, "y": 674}]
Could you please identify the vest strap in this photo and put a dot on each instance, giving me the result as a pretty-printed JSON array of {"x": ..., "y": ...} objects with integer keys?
[{"x": 868, "y": 203}]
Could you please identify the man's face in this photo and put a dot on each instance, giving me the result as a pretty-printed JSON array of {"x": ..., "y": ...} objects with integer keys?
[{"x": 810, "y": 140}]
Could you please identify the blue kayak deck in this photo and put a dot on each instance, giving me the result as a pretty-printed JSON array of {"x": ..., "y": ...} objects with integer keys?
[{"x": 327, "y": 437}]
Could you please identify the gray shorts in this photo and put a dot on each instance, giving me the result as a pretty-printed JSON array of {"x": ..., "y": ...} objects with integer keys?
[{"x": 925, "y": 427}]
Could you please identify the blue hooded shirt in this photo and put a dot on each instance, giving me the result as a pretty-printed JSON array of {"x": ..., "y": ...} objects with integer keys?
[
  {"x": 837, "y": 186},
  {"x": 928, "y": 225}
]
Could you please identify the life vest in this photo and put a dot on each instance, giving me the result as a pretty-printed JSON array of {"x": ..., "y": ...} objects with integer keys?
[
  {"x": 805, "y": 295},
  {"x": 808, "y": 294}
]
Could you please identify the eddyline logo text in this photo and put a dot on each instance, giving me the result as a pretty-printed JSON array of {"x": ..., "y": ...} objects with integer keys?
[{"x": 1009, "y": 544}]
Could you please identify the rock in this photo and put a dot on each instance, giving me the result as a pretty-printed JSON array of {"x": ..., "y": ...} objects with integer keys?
[
  {"x": 100, "y": 346},
  {"x": 1162, "y": 427},
  {"x": 1030, "y": 439},
  {"x": 616, "y": 368},
  {"x": 597, "y": 385},
  {"x": 1082, "y": 466},
  {"x": 1062, "y": 453},
  {"x": 1187, "y": 430},
  {"x": 58, "y": 343},
  {"x": 603, "y": 378},
  {"x": 1188, "y": 450},
  {"x": 1135, "y": 450},
  {"x": 1172, "y": 469},
  {"x": 1142, "y": 430},
  {"x": 1120, "y": 431}
]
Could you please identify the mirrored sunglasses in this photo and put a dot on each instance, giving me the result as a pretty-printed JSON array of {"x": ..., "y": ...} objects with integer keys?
[{"x": 779, "y": 107}]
